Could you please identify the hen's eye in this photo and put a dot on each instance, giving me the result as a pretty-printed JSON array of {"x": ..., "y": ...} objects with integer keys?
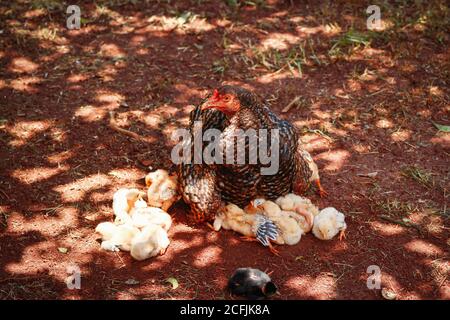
[{"x": 226, "y": 98}]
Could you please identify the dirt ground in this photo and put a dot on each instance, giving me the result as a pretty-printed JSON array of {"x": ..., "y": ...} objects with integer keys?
[{"x": 370, "y": 105}]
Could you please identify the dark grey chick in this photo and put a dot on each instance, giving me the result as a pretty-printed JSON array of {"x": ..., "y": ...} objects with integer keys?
[{"x": 251, "y": 283}]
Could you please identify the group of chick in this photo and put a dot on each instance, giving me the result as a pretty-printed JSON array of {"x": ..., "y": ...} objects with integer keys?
[
  {"x": 140, "y": 226},
  {"x": 283, "y": 221}
]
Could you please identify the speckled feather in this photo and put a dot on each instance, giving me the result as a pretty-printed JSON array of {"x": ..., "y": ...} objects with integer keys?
[
  {"x": 198, "y": 182},
  {"x": 266, "y": 230}
]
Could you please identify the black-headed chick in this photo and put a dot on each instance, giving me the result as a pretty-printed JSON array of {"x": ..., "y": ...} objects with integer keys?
[{"x": 251, "y": 283}]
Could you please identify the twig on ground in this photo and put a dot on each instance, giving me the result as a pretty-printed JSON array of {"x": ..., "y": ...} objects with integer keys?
[
  {"x": 113, "y": 125},
  {"x": 402, "y": 223},
  {"x": 291, "y": 104}
]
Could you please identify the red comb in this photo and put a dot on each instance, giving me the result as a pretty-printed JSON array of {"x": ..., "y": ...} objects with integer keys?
[{"x": 215, "y": 94}]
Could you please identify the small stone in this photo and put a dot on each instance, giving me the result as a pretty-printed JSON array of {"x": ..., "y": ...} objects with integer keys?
[
  {"x": 131, "y": 282},
  {"x": 63, "y": 250},
  {"x": 372, "y": 174},
  {"x": 388, "y": 294}
]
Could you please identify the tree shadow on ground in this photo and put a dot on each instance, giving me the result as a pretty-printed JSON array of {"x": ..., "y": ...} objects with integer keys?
[{"x": 364, "y": 109}]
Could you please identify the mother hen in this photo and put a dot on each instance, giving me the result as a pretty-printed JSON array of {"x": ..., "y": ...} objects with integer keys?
[{"x": 230, "y": 109}]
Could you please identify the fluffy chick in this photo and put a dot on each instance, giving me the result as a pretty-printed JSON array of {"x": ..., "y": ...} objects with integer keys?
[
  {"x": 251, "y": 283},
  {"x": 300, "y": 208},
  {"x": 150, "y": 242},
  {"x": 139, "y": 204},
  {"x": 231, "y": 217},
  {"x": 145, "y": 216},
  {"x": 162, "y": 189},
  {"x": 289, "y": 230},
  {"x": 328, "y": 223},
  {"x": 123, "y": 201},
  {"x": 116, "y": 237},
  {"x": 253, "y": 227}
]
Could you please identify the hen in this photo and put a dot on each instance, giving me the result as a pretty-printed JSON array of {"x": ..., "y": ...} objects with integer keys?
[
  {"x": 205, "y": 187},
  {"x": 198, "y": 182}
]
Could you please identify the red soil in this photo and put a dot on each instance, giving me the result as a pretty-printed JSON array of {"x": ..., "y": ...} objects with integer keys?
[{"x": 367, "y": 111}]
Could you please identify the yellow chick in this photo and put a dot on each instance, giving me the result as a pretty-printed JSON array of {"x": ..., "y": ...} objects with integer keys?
[
  {"x": 252, "y": 226},
  {"x": 298, "y": 205},
  {"x": 116, "y": 237},
  {"x": 123, "y": 201},
  {"x": 289, "y": 230},
  {"x": 300, "y": 220},
  {"x": 231, "y": 217},
  {"x": 328, "y": 223},
  {"x": 143, "y": 217},
  {"x": 162, "y": 189},
  {"x": 150, "y": 242}
]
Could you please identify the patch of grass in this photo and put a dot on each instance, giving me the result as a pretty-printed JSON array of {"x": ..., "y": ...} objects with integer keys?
[
  {"x": 349, "y": 41},
  {"x": 441, "y": 127},
  {"x": 403, "y": 222},
  {"x": 440, "y": 270},
  {"x": 50, "y": 5},
  {"x": 239, "y": 3},
  {"x": 3, "y": 218},
  {"x": 225, "y": 41},
  {"x": 219, "y": 66},
  {"x": 322, "y": 132},
  {"x": 444, "y": 212},
  {"x": 232, "y": 3},
  {"x": 255, "y": 3},
  {"x": 419, "y": 175},
  {"x": 118, "y": 3},
  {"x": 3, "y": 123},
  {"x": 46, "y": 34},
  {"x": 185, "y": 17},
  {"x": 394, "y": 208},
  {"x": 53, "y": 211},
  {"x": 276, "y": 60},
  {"x": 432, "y": 18},
  {"x": 27, "y": 289}
]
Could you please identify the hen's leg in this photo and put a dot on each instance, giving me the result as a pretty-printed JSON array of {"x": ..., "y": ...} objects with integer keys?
[{"x": 322, "y": 191}]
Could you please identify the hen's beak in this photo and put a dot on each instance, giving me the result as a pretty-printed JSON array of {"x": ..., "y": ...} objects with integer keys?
[{"x": 209, "y": 104}]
